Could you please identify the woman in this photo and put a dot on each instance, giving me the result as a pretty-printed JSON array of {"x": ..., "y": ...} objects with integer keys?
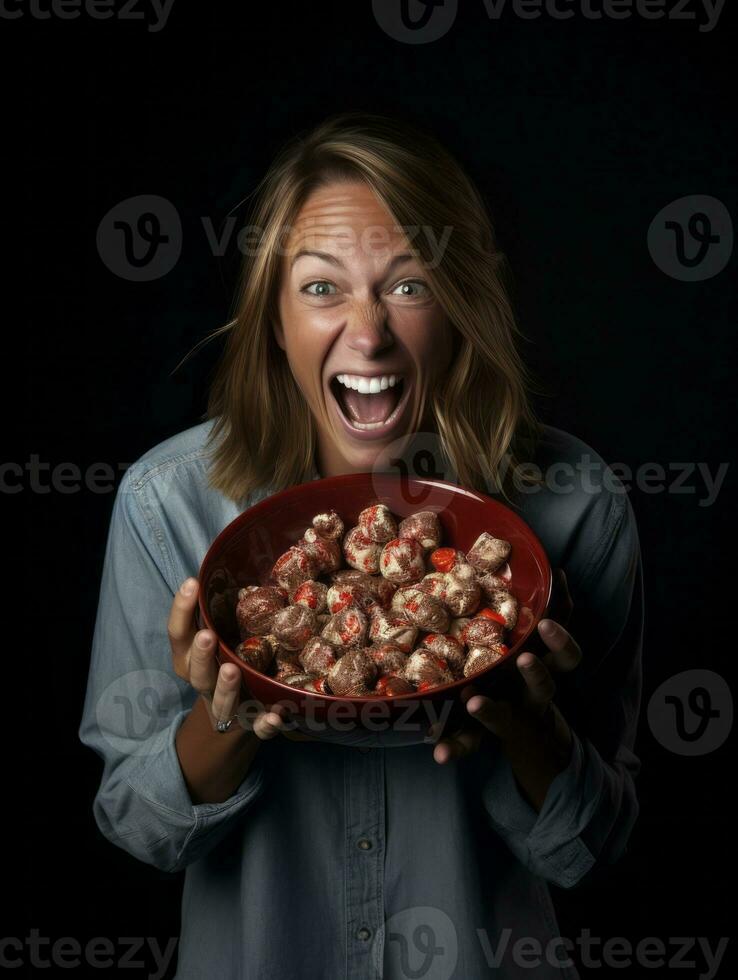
[{"x": 370, "y": 255}]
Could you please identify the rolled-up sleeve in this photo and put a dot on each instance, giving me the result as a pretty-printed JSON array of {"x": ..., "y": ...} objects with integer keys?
[
  {"x": 591, "y": 806},
  {"x": 135, "y": 703}
]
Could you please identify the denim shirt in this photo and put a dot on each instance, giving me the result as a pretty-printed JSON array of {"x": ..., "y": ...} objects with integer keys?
[{"x": 342, "y": 861}]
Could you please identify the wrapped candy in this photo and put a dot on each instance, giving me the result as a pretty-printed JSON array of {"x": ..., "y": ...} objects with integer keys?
[
  {"x": 311, "y": 594},
  {"x": 377, "y": 523},
  {"x": 325, "y": 552},
  {"x": 421, "y": 609},
  {"x": 480, "y": 658},
  {"x": 391, "y": 685},
  {"x": 317, "y": 656},
  {"x": 499, "y": 599},
  {"x": 449, "y": 649},
  {"x": 434, "y": 583},
  {"x": 299, "y": 679},
  {"x": 294, "y": 567},
  {"x": 462, "y": 592},
  {"x": 293, "y": 626},
  {"x": 424, "y": 669},
  {"x": 329, "y": 525},
  {"x": 361, "y": 552},
  {"x": 482, "y": 631},
  {"x": 385, "y": 627},
  {"x": 456, "y": 629},
  {"x": 318, "y": 685},
  {"x": 353, "y": 674},
  {"x": 389, "y": 658},
  {"x": 342, "y": 594},
  {"x": 256, "y": 609},
  {"x": 488, "y": 553},
  {"x": 402, "y": 561},
  {"x": 346, "y": 628},
  {"x": 422, "y": 527},
  {"x": 257, "y": 652}
]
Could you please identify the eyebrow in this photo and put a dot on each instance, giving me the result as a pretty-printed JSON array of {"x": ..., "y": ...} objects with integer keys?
[{"x": 327, "y": 257}]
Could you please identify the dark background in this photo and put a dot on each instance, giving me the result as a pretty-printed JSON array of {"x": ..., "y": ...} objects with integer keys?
[{"x": 578, "y": 132}]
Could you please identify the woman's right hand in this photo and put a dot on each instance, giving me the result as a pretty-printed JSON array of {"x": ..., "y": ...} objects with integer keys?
[{"x": 193, "y": 654}]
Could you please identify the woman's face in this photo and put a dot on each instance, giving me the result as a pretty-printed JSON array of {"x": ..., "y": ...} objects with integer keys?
[{"x": 355, "y": 310}]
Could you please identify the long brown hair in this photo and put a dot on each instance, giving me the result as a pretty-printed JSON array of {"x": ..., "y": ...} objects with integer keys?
[{"x": 263, "y": 434}]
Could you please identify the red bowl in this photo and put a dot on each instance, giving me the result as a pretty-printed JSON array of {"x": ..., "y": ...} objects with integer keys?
[{"x": 245, "y": 551}]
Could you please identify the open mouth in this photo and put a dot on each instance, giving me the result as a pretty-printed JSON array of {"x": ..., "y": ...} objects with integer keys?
[{"x": 369, "y": 410}]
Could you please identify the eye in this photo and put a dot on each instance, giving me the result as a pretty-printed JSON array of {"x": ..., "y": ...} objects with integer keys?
[
  {"x": 412, "y": 289},
  {"x": 322, "y": 288}
]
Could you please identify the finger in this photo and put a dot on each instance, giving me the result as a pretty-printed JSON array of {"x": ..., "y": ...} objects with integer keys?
[
  {"x": 224, "y": 704},
  {"x": 272, "y": 722},
  {"x": 540, "y": 685},
  {"x": 494, "y": 715},
  {"x": 456, "y": 746},
  {"x": 203, "y": 667},
  {"x": 564, "y": 651},
  {"x": 181, "y": 623}
]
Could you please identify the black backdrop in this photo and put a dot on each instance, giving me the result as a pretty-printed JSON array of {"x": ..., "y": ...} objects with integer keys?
[{"x": 578, "y": 132}]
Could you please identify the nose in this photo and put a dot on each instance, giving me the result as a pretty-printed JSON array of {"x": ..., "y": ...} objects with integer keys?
[{"x": 367, "y": 331}]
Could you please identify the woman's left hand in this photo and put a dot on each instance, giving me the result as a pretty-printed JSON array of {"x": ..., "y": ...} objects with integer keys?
[{"x": 533, "y": 733}]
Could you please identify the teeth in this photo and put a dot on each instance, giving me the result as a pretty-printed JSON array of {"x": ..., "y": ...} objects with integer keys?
[{"x": 369, "y": 386}]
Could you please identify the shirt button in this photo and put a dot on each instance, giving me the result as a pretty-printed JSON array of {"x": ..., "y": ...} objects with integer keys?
[
  {"x": 364, "y": 844},
  {"x": 363, "y": 933}
]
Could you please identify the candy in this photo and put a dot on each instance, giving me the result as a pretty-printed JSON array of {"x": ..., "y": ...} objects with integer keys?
[
  {"x": 343, "y": 594},
  {"x": 390, "y": 686},
  {"x": 329, "y": 525},
  {"x": 325, "y": 552},
  {"x": 377, "y": 523},
  {"x": 352, "y": 675},
  {"x": 482, "y": 631},
  {"x": 456, "y": 629},
  {"x": 294, "y": 567},
  {"x": 445, "y": 559},
  {"x": 504, "y": 604},
  {"x": 361, "y": 552},
  {"x": 421, "y": 609},
  {"x": 299, "y": 679},
  {"x": 386, "y": 627},
  {"x": 346, "y": 628},
  {"x": 422, "y": 527},
  {"x": 424, "y": 667},
  {"x": 318, "y": 656},
  {"x": 480, "y": 658},
  {"x": 488, "y": 553},
  {"x": 448, "y": 648},
  {"x": 389, "y": 658},
  {"x": 311, "y": 594},
  {"x": 402, "y": 561},
  {"x": 462, "y": 592},
  {"x": 318, "y": 685},
  {"x": 434, "y": 583},
  {"x": 256, "y": 609},
  {"x": 293, "y": 626},
  {"x": 257, "y": 652}
]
